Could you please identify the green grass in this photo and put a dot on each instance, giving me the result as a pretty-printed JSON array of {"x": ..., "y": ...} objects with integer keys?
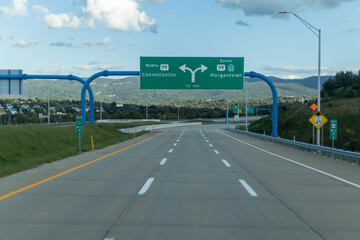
[
  {"x": 27, "y": 146},
  {"x": 294, "y": 120}
]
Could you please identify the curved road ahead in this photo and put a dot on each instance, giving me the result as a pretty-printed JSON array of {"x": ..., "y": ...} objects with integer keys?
[{"x": 187, "y": 183}]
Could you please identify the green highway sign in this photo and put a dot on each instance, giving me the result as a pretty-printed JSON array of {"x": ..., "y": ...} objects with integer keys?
[
  {"x": 250, "y": 110},
  {"x": 333, "y": 129},
  {"x": 237, "y": 109},
  {"x": 201, "y": 73},
  {"x": 79, "y": 126}
]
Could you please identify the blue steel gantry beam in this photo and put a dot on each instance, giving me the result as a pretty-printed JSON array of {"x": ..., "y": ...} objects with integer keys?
[
  {"x": 61, "y": 77},
  {"x": 87, "y": 84},
  {"x": 274, "y": 132}
]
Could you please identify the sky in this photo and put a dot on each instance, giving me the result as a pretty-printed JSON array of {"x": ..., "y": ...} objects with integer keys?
[{"x": 82, "y": 37}]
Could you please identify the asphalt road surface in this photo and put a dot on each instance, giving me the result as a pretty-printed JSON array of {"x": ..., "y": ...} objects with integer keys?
[{"x": 187, "y": 183}]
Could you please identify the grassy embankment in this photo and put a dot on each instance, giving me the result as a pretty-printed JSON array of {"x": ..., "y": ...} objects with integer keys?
[
  {"x": 27, "y": 146},
  {"x": 294, "y": 120}
]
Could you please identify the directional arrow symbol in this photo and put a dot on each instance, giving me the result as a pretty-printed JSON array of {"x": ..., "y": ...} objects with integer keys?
[
  {"x": 318, "y": 114},
  {"x": 184, "y": 68}
]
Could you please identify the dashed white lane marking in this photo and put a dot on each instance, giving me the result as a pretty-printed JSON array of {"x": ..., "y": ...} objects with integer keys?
[
  {"x": 146, "y": 186},
  {"x": 207, "y": 141},
  {"x": 211, "y": 145},
  {"x": 248, "y": 188},
  {"x": 171, "y": 150},
  {"x": 177, "y": 140},
  {"x": 297, "y": 163},
  {"x": 175, "y": 144},
  {"x": 226, "y": 163},
  {"x": 216, "y": 151},
  {"x": 163, "y": 161}
]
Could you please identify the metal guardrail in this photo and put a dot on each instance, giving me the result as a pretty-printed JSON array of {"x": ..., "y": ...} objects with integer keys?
[{"x": 324, "y": 151}]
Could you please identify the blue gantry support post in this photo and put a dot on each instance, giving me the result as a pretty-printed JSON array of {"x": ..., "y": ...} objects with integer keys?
[
  {"x": 87, "y": 84},
  {"x": 61, "y": 77},
  {"x": 274, "y": 132}
]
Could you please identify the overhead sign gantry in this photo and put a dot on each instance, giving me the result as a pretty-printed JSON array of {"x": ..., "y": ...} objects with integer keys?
[{"x": 192, "y": 73}]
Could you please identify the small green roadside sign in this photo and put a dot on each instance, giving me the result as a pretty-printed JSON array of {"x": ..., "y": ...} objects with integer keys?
[
  {"x": 201, "y": 73},
  {"x": 79, "y": 126},
  {"x": 237, "y": 109},
  {"x": 250, "y": 110},
  {"x": 333, "y": 129}
]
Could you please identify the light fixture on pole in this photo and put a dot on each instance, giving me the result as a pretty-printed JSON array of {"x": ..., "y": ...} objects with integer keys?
[{"x": 317, "y": 32}]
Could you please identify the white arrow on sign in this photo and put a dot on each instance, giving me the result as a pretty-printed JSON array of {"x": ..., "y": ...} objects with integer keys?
[{"x": 184, "y": 68}]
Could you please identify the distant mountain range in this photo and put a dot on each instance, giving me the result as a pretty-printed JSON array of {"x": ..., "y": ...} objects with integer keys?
[{"x": 126, "y": 90}]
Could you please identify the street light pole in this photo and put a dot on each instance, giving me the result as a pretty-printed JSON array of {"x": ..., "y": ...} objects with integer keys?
[{"x": 317, "y": 33}]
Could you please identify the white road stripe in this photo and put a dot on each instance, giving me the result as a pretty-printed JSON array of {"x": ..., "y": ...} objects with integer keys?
[
  {"x": 297, "y": 163},
  {"x": 248, "y": 188},
  {"x": 146, "y": 186},
  {"x": 177, "y": 140},
  {"x": 207, "y": 141},
  {"x": 171, "y": 150},
  {"x": 226, "y": 163},
  {"x": 174, "y": 144},
  {"x": 163, "y": 161},
  {"x": 210, "y": 145},
  {"x": 216, "y": 151}
]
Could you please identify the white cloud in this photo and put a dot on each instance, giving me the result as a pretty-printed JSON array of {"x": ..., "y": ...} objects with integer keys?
[
  {"x": 62, "y": 20},
  {"x": 16, "y": 8},
  {"x": 41, "y": 9},
  {"x": 355, "y": 29},
  {"x": 301, "y": 71},
  {"x": 271, "y": 8},
  {"x": 290, "y": 77},
  {"x": 105, "y": 43},
  {"x": 121, "y": 15},
  {"x": 242, "y": 23},
  {"x": 98, "y": 66},
  {"x": 22, "y": 43},
  {"x": 5, "y": 38}
]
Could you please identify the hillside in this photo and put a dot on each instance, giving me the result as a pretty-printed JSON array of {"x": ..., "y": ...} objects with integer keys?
[
  {"x": 293, "y": 120},
  {"x": 126, "y": 90}
]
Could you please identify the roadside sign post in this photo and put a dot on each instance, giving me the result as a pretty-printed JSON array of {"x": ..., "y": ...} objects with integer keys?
[
  {"x": 333, "y": 131},
  {"x": 313, "y": 107},
  {"x": 318, "y": 120},
  {"x": 79, "y": 130}
]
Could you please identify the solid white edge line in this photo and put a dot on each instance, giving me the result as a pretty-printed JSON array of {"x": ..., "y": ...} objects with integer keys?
[
  {"x": 226, "y": 163},
  {"x": 248, "y": 188},
  {"x": 171, "y": 150},
  {"x": 146, "y": 186},
  {"x": 216, "y": 151},
  {"x": 163, "y": 161},
  {"x": 297, "y": 163}
]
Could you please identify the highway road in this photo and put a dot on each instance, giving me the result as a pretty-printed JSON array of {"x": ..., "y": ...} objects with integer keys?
[{"x": 198, "y": 182}]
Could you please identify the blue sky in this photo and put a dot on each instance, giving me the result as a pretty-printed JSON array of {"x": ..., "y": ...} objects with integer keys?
[{"x": 82, "y": 37}]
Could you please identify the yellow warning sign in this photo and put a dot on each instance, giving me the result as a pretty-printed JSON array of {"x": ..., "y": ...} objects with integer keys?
[{"x": 318, "y": 120}]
